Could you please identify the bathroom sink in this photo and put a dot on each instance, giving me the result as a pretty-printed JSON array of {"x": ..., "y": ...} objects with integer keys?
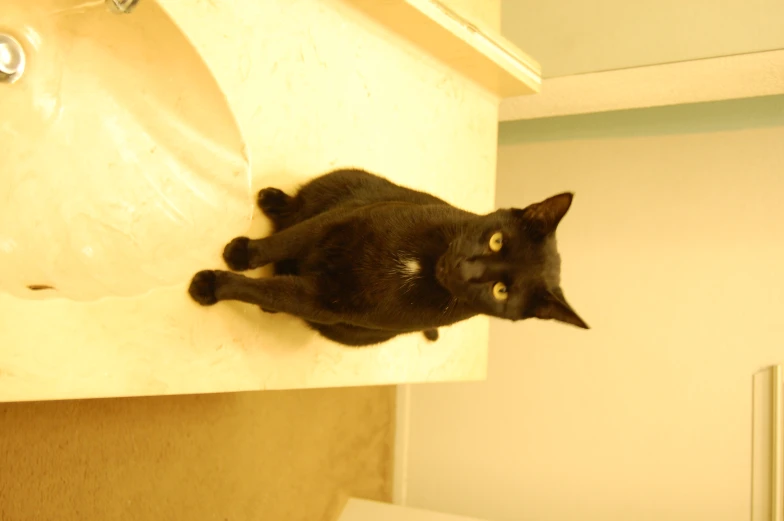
[{"x": 123, "y": 168}]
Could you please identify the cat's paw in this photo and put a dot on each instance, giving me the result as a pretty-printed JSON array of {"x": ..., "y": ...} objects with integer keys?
[
  {"x": 202, "y": 288},
  {"x": 237, "y": 255},
  {"x": 431, "y": 334},
  {"x": 273, "y": 202}
]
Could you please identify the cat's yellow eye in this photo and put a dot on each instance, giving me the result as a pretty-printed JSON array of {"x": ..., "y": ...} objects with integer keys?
[
  {"x": 497, "y": 241},
  {"x": 499, "y": 291}
]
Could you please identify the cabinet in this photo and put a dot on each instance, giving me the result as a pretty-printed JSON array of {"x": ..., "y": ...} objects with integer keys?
[{"x": 314, "y": 85}]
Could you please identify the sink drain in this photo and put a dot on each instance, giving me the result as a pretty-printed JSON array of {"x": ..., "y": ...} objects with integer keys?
[{"x": 12, "y": 59}]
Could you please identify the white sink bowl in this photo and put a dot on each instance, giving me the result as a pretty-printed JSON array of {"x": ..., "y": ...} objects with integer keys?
[{"x": 123, "y": 168}]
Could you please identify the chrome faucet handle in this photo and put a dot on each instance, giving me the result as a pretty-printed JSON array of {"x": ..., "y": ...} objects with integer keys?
[{"x": 122, "y": 6}]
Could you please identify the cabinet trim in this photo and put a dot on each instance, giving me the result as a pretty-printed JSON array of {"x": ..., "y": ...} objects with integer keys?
[{"x": 695, "y": 81}]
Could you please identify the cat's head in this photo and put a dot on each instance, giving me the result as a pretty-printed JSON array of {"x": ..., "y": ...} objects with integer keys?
[{"x": 506, "y": 264}]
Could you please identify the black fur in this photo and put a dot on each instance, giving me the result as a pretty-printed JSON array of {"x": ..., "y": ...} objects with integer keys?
[{"x": 363, "y": 260}]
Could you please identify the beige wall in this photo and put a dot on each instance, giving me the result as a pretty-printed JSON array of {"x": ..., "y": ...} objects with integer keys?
[
  {"x": 576, "y": 36},
  {"x": 674, "y": 253}
]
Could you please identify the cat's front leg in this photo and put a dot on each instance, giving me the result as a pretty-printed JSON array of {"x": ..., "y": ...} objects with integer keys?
[
  {"x": 284, "y": 293},
  {"x": 243, "y": 254},
  {"x": 237, "y": 254}
]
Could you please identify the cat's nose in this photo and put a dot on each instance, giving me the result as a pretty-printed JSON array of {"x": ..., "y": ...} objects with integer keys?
[{"x": 470, "y": 270}]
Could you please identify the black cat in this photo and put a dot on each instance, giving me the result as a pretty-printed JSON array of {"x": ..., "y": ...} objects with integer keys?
[{"x": 363, "y": 260}]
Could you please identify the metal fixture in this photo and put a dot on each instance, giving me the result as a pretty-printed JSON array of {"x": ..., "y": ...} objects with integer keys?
[
  {"x": 12, "y": 59},
  {"x": 122, "y": 6}
]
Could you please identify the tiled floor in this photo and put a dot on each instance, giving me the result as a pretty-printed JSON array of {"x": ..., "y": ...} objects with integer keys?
[{"x": 277, "y": 456}]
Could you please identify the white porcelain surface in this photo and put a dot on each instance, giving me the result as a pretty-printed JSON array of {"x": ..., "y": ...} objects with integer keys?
[
  {"x": 123, "y": 167},
  {"x": 314, "y": 86}
]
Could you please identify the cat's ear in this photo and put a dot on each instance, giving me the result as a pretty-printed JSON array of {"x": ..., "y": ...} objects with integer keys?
[
  {"x": 552, "y": 306},
  {"x": 545, "y": 216}
]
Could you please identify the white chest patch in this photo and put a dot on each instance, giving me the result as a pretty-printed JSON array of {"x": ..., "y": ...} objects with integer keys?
[
  {"x": 409, "y": 267},
  {"x": 412, "y": 267}
]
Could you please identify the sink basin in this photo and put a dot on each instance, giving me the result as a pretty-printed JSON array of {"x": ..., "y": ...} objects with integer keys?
[{"x": 123, "y": 167}]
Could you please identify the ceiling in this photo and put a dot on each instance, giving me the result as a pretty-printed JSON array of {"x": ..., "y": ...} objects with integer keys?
[{"x": 578, "y": 36}]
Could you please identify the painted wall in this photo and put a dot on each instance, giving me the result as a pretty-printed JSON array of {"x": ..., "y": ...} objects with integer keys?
[
  {"x": 575, "y": 36},
  {"x": 673, "y": 252}
]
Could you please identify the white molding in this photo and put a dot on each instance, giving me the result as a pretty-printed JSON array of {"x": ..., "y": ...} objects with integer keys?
[
  {"x": 469, "y": 47},
  {"x": 402, "y": 437},
  {"x": 767, "y": 502},
  {"x": 713, "y": 79}
]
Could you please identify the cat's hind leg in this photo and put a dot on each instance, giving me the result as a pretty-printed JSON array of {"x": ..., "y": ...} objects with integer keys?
[{"x": 353, "y": 336}]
